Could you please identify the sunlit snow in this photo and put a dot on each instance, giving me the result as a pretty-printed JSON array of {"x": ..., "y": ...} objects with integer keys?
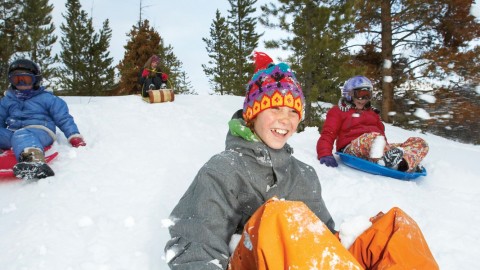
[{"x": 108, "y": 205}]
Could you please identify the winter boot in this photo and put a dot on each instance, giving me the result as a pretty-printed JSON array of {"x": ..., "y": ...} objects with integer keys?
[
  {"x": 393, "y": 157},
  {"x": 32, "y": 165},
  {"x": 419, "y": 168}
]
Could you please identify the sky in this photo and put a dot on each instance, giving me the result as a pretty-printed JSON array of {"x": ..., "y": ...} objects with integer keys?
[
  {"x": 108, "y": 205},
  {"x": 181, "y": 23}
]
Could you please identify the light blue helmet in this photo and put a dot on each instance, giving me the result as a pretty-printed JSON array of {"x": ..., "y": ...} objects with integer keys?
[{"x": 355, "y": 83}]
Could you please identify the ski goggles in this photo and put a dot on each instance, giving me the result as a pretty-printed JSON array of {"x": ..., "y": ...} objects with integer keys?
[
  {"x": 362, "y": 93},
  {"x": 22, "y": 79}
]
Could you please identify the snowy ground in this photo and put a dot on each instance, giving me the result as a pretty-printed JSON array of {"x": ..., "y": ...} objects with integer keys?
[{"x": 105, "y": 208}]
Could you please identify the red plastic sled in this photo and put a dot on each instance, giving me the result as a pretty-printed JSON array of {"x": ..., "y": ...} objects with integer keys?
[{"x": 8, "y": 160}]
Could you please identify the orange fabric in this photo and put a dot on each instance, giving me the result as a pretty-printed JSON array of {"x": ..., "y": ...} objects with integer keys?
[
  {"x": 394, "y": 241},
  {"x": 287, "y": 235}
]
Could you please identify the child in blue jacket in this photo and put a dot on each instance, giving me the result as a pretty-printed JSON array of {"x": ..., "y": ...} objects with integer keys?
[{"x": 29, "y": 116}]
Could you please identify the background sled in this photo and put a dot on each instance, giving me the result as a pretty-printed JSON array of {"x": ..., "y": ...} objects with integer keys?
[
  {"x": 160, "y": 95},
  {"x": 8, "y": 160},
  {"x": 373, "y": 168}
]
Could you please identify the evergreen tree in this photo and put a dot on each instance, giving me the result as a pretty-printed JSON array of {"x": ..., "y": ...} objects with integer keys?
[
  {"x": 10, "y": 21},
  {"x": 37, "y": 38},
  {"x": 220, "y": 66},
  {"x": 144, "y": 42},
  {"x": 100, "y": 72},
  {"x": 435, "y": 33},
  {"x": 315, "y": 34},
  {"x": 85, "y": 54},
  {"x": 75, "y": 44},
  {"x": 184, "y": 86},
  {"x": 245, "y": 40},
  {"x": 173, "y": 67}
]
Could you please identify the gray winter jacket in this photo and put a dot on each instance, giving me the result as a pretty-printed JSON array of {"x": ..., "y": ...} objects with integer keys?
[{"x": 226, "y": 192}]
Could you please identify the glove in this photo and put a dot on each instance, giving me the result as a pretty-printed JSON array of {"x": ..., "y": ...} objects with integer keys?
[
  {"x": 145, "y": 73},
  {"x": 77, "y": 141},
  {"x": 164, "y": 77},
  {"x": 329, "y": 161}
]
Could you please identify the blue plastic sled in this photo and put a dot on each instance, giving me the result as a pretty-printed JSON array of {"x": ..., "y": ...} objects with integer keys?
[{"x": 373, "y": 168}]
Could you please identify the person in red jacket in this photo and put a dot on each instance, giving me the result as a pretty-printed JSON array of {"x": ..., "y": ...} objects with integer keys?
[
  {"x": 356, "y": 129},
  {"x": 151, "y": 77}
]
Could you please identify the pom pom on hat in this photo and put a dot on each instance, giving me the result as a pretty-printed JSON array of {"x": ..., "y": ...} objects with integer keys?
[
  {"x": 261, "y": 61},
  {"x": 275, "y": 86}
]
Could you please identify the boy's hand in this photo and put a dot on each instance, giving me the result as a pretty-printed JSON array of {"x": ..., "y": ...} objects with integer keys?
[{"x": 77, "y": 142}]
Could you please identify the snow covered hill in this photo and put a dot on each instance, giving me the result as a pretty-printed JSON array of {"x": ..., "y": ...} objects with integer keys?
[{"x": 106, "y": 207}]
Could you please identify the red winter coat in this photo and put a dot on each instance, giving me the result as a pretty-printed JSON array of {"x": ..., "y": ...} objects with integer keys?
[{"x": 345, "y": 127}]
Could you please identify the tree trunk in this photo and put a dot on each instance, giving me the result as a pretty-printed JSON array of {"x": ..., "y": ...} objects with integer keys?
[
  {"x": 387, "y": 52},
  {"x": 307, "y": 90}
]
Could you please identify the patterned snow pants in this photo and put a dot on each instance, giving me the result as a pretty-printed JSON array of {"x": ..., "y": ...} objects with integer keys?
[
  {"x": 414, "y": 149},
  {"x": 287, "y": 235}
]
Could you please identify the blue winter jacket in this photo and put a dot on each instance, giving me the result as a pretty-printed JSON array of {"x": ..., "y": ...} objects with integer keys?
[{"x": 43, "y": 110}]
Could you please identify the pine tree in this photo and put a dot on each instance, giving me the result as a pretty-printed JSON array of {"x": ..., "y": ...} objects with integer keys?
[
  {"x": 245, "y": 40},
  {"x": 85, "y": 54},
  {"x": 315, "y": 33},
  {"x": 144, "y": 42},
  {"x": 173, "y": 67},
  {"x": 75, "y": 43},
  {"x": 37, "y": 38},
  {"x": 457, "y": 29},
  {"x": 100, "y": 72},
  {"x": 220, "y": 66},
  {"x": 10, "y": 21},
  {"x": 435, "y": 33},
  {"x": 184, "y": 86}
]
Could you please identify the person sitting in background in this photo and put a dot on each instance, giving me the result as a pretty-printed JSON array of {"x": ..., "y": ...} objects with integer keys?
[
  {"x": 258, "y": 189},
  {"x": 151, "y": 77},
  {"x": 356, "y": 128},
  {"x": 29, "y": 115}
]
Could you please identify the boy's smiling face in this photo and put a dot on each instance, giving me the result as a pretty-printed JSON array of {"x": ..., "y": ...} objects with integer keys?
[{"x": 276, "y": 125}]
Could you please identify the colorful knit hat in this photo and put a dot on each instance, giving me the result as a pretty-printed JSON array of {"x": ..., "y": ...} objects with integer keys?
[{"x": 274, "y": 86}]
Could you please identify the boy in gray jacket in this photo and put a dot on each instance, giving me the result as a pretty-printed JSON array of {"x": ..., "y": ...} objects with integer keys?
[{"x": 256, "y": 165}]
